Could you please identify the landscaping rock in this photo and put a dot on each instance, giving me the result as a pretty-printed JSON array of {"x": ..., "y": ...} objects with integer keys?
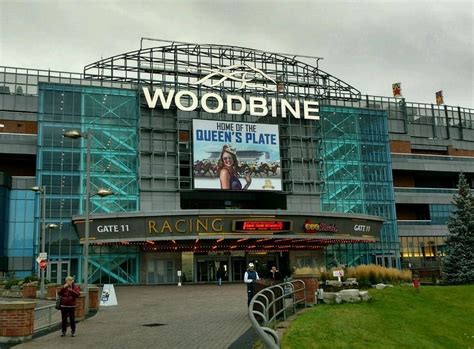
[
  {"x": 334, "y": 283},
  {"x": 329, "y": 297},
  {"x": 380, "y": 286},
  {"x": 350, "y": 295},
  {"x": 346, "y": 296},
  {"x": 350, "y": 282},
  {"x": 364, "y": 296}
]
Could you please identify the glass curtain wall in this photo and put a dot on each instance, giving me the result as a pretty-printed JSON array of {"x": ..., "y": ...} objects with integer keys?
[
  {"x": 110, "y": 116},
  {"x": 358, "y": 179}
]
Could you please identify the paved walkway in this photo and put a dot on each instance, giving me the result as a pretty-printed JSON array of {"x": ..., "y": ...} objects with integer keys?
[{"x": 193, "y": 316}]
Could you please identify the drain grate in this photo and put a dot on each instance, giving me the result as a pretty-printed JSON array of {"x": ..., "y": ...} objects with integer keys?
[{"x": 154, "y": 325}]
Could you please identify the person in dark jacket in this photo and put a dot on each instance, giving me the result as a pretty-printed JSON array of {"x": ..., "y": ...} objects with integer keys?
[
  {"x": 274, "y": 275},
  {"x": 68, "y": 293},
  {"x": 220, "y": 275}
]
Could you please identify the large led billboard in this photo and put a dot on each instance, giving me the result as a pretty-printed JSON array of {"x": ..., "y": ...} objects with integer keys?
[{"x": 236, "y": 156}]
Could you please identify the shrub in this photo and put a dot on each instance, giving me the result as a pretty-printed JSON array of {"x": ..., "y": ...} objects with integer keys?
[
  {"x": 373, "y": 274},
  {"x": 30, "y": 279},
  {"x": 11, "y": 282},
  {"x": 306, "y": 271}
]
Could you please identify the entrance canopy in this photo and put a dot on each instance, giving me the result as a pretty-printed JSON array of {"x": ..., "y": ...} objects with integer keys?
[{"x": 207, "y": 231}]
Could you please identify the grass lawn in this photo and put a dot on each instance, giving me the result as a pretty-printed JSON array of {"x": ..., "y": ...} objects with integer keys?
[{"x": 399, "y": 317}]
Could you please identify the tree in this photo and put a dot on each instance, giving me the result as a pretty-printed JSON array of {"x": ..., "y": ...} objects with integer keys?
[{"x": 458, "y": 265}]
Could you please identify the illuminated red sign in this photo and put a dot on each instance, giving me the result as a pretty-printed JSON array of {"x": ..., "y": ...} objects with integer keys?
[{"x": 262, "y": 226}]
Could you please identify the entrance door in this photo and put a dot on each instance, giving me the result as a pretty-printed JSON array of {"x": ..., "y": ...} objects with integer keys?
[
  {"x": 207, "y": 270},
  {"x": 238, "y": 269},
  {"x": 202, "y": 272},
  {"x": 160, "y": 272},
  {"x": 57, "y": 271}
]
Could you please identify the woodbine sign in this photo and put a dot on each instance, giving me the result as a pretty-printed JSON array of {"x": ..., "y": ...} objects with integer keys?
[{"x": 214, "y": 103}]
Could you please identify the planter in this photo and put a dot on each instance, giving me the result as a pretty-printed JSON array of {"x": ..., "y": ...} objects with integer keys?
[
  {"x": 277, "y": 292},
  {"x": 17, "y": 321},
  {"x": 311, "y": 285},
  {"x": 80, "y": 306},
  {"x": 51, "y": 290},
  {"x": 94, "y": 298},
  {"x": 29, "y": 291}
]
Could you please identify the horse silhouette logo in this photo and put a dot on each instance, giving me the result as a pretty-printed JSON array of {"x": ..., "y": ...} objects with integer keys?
[{"x": 243, "y": 73}]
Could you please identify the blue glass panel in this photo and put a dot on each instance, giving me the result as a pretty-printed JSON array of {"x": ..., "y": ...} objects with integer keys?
[
  {"x": 111, "y": 116},
  {"x": 357, "y": 172}
]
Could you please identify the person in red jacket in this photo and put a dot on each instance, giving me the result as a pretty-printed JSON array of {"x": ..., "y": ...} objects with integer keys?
[{"x": 68, "y": 293}]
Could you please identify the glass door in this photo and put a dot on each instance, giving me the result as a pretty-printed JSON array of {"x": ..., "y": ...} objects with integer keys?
[
  {"x": 160, "y": 272},
  {"x": 202, "y": 271},
  {"x": 238, "y": 269},
  {"x": 57, "y": 271}
]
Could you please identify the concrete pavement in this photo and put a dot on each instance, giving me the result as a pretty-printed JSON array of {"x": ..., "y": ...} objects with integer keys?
[{"x": 191, "y": 316}]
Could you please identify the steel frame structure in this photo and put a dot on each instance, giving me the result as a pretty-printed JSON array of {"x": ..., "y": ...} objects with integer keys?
[{"x": 178, "y": 63}]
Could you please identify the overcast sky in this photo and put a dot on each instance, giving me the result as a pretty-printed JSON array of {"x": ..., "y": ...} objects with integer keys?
[{"x": 426, "y": 45}]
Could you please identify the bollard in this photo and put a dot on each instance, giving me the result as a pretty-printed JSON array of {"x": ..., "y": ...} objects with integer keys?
[{"x": 16, "y": 321}]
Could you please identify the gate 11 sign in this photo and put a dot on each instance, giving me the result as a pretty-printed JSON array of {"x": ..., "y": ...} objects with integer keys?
[{"x": 113, "y": 228}]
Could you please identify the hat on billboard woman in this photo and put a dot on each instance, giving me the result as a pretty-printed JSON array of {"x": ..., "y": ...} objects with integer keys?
[{"x": 229, "y": 149}]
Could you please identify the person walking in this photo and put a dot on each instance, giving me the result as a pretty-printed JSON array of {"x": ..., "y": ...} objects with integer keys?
[
  {"x": 220, "y": 275},
  {"x": 250, "y": 277},
  {"x": 68, "y": 293}
]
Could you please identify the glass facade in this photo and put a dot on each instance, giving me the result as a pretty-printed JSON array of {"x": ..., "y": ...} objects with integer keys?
[
  {"x": 21, "y": 224},
  {"x": 439, "y": 213},
  {"x": 4, "y": 206},
  {"x": 110, "y": 117},
  {"x": 21, "y": 232},
  {"x": 358, "y": 177}
]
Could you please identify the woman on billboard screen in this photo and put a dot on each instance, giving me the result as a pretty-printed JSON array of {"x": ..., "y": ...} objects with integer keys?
[{"x": 228, "y": 173}]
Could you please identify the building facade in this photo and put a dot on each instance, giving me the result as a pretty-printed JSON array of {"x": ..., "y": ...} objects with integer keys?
[{"x": 323, "y": 175}]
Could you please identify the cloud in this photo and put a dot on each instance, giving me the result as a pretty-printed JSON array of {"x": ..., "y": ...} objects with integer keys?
[{"x": 369, "y": 44}]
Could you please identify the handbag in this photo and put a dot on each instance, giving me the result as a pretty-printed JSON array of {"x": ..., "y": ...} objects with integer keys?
[{"x": 58, "y": 303}]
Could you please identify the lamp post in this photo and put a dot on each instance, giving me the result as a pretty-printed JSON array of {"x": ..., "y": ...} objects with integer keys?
[
  {"x": 74, "y": 134},
  {"x": 49, "y": 227},
  {"x": 42, "y": 191}
]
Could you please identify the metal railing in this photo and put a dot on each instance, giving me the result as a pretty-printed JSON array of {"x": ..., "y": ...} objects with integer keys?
[
  {"x": 270, "y": 304},
  {"x": 46, "y": 321}
]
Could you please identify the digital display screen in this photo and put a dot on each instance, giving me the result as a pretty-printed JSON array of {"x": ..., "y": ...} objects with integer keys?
[
  {"x": 262, "y": 226},
  {"x": 236, "y": 156}
]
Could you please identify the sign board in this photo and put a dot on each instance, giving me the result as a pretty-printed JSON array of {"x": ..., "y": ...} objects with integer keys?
[
  {"x": 108, "y": 297},
  {"x": 43, "y": 263},
  {"x": 236, "y": 156},
  {"x": 274, "y": 226},
  {"x": 338, "y": 273},
  {"x": 183, "y": 224},
  {"x": 42, "y": 256}
]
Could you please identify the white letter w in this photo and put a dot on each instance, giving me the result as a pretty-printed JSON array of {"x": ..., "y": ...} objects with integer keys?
[{"x": 158, "y": 94}]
